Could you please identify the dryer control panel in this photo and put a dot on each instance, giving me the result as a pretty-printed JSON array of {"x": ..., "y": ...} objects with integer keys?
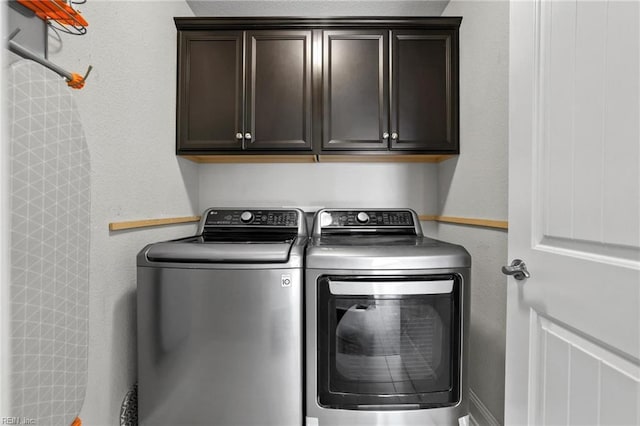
[
  {"x": 366, "y": 218},
  {"x": 367, "y": 221}
]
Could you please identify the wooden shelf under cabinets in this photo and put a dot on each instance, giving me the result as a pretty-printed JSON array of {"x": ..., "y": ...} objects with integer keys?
[
  {"x": 251, "y": 158},
  {"x": 418, "y": 158}
]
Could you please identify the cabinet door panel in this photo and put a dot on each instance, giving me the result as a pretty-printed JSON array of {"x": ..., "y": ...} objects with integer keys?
[
  {"x": 423, "y": 94},
  {"x": 355, "y": 94},
  {"x": 210, "y": 91},
  {"x": 278, "y": 108}
]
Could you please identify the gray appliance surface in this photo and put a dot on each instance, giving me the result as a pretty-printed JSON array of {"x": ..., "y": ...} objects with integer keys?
[
  {"x": 220, "y": 324},
  {"x": 393, "y": 240},
  {"x": 384, "y": 252},
  {"x": 388, "y": 248}
]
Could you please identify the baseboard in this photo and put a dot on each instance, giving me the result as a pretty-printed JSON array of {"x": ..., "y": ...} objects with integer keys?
[{"x": 479, "y": 414}]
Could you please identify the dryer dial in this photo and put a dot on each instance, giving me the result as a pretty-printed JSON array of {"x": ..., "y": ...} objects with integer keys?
[{"x": 246, "y": 217}]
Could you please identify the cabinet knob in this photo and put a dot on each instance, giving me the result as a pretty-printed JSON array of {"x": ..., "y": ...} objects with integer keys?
[
  {"x": 238, "y": 136},
  {"x": 385, "y": 135},
  {"x": 247, "y": 135},
  {"x": 394, "y": 136}
]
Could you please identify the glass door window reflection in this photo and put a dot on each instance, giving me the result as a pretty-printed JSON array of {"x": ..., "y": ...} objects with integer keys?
[
  {"x": 390, "y": 349},
  {"x": 390, "y": 346}
]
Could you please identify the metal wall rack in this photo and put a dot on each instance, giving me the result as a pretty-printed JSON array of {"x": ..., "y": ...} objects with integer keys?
[{"x": 60, "y": 15}]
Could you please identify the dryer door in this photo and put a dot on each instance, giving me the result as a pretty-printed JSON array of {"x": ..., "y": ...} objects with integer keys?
[{"x": 389, "y": 342}]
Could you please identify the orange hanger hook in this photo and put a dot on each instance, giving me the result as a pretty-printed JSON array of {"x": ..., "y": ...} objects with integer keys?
[{"x": 77, "y": 81}]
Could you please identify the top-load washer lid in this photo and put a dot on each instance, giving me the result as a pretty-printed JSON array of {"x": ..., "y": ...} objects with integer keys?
[
  {"x": 236, "y": 236},
  {"x": 381, "y": 239},
  {"x": 197, "y": 252}
]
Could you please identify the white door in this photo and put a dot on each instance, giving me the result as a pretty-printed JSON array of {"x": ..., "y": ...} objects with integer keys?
[{"x": 573, "y": 327}]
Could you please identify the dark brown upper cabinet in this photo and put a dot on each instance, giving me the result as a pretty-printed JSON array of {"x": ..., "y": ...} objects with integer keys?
[
  {"x": 424, "y": 91},
  {"x": 278, "y": 98},
  {"x": 244, "y": 90},
  {"x": 355, "y": 90},
  {"x": 210, "y": 91},
  {"x": 375, "y": 86},
  {"x": 403, "y": 104}
]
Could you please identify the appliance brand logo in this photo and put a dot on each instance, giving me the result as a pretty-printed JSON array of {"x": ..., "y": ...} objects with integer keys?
[{"x": 285, "y": 280}]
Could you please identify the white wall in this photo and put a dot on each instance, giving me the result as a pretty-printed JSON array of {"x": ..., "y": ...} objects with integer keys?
[
  {"x": 317, "y": 7},
  {"x": 475, "y": 185},
  {"x": 128, "y": 111},
  {"x": 320, "y": 185}
]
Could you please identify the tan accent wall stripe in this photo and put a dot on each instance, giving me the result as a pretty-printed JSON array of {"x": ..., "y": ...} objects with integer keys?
[
  {"x": 132, "y": 224},
  {"x": 486, "y": 223}
]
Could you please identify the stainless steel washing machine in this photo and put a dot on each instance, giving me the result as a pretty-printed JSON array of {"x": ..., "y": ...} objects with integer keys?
[
  {"x": 220, "y": 322},
  {"x": 387, "y": 320}
]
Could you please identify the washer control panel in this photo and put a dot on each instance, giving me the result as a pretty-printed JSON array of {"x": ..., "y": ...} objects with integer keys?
[
  {"x": 366, "y": 218},
  {"x": 279, "y": 218}
]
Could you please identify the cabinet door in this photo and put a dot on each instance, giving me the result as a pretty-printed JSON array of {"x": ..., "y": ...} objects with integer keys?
[
  {"x": 355, "y": 90},
  {"x": 209, "y": 91},
  {"x": 424, "y": 91},
  {"x": 278, "y": 106}
]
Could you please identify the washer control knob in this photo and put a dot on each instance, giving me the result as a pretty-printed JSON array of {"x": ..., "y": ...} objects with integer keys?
[
  {"x": 246, "y": 217},
  {"x": 362, "y": 217}
]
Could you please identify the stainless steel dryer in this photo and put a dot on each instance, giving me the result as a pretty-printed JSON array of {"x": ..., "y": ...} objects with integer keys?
[
  {"x": 387, "y": 313},
  {"x": 220, "y": 322}
]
